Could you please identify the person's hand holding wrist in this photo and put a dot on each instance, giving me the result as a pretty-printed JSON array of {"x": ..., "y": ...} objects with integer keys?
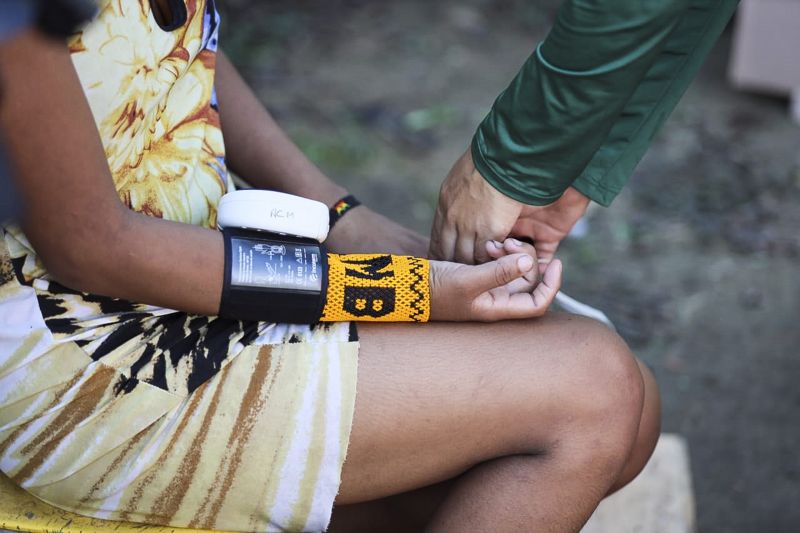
[
  {"x": 547, "y": 225},
  {"x": 470, "y": 212}
]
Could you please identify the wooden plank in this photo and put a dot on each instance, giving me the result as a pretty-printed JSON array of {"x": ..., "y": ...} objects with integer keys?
[
  {"x": 660, "y": 500},
  {"x": 19, "y": 511}
]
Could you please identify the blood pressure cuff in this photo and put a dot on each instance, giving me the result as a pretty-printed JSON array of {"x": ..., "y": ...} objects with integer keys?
[{"x": 277, "y": 278}]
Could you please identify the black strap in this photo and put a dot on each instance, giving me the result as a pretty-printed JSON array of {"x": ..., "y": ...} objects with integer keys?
[
  {"x": 341, "y": 207},
  {"x": 274, "y": 278}
]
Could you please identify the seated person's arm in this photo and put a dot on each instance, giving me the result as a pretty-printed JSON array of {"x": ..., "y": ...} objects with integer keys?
[
  {"x": 72, "y": 215},
  {"x": 261, "y": 153},
  {"x": 258, "y": 150},
  {"x": 90, "y": 241}
]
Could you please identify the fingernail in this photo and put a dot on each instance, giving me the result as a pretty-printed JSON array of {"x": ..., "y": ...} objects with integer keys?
[
  {"x": 515, "y": 241},
  {"x": 525, "y": 263},
  {"x": 497, "y": 244}
]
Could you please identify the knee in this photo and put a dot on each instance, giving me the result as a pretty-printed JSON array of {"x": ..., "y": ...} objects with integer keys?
[
  {"x": 604, "y": 404},
  {"x": 650, "y": 424},
  {"x": 612, "y": 389},
  {"x": 648, "y": 434}
]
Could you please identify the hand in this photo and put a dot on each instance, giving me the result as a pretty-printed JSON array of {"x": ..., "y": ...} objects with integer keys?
[
  {"x": 362, "y": 230},
  {"x": 547, "y": 225},
  {"x": 507, "y": 288},
  {"x": 470, "y": 213}
]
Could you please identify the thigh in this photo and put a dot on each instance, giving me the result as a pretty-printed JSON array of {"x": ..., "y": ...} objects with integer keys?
[{"x": 434, "y": 400}]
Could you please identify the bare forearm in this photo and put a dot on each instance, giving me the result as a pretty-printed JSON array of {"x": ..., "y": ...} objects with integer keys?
[
  {"x": 162, "y": 263},
  {"x": 85, "y": 236},
  {"x": 258, "y": 150},
  {"x": 73, "y": 216}
]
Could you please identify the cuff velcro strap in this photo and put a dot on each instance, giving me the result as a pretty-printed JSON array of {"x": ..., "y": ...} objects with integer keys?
[
  {"x": 377, "y": 287},
  {"x": 273, "y": 278}
]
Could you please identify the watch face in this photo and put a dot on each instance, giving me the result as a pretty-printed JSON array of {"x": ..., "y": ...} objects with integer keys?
[{"x": 275, "y": 264}]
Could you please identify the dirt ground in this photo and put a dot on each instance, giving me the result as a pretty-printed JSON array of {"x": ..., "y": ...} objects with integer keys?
[{"x": 697, "y": 262}]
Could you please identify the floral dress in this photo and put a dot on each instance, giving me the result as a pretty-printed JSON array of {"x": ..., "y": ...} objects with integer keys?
[{"x": 128, "y": 411}]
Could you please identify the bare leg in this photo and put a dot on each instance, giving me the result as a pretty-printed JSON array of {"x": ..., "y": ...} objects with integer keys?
[
  {"x": 649, "y": 431},
  {"x": 411, "y": 511},
  {"x": 536, "y": 420}
]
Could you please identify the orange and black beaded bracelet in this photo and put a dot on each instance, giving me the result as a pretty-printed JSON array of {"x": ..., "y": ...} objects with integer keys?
[{"x": 379, "y": 287}]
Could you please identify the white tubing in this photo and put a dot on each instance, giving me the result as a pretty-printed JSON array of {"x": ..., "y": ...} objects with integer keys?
[{"x": 571, "y": 305}]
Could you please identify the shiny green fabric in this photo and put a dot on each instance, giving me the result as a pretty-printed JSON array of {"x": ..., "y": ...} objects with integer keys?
[{"x": 585, "y": 106}]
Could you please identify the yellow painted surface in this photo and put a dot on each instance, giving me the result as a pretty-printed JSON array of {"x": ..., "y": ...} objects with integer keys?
[{"x": 19, "y": 511}]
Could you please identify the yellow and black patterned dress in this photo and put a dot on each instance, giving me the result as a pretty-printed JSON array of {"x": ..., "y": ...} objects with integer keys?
[{"x": 128, "y": 411}]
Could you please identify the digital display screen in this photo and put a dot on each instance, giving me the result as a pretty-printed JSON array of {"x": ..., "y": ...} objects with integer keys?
[{"x": 275, "y": 265}]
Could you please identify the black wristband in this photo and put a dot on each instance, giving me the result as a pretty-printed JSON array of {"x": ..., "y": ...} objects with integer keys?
[
  {"x": 341, "y": 207},
  {"x": 273, "y": 278}
]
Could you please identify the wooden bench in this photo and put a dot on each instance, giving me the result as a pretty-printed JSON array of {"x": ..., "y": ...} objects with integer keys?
[
  {"x": 659, "y": 500},
  {"x": 19, "y": 511}
]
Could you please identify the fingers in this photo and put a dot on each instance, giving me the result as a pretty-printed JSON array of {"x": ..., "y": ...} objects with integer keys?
[
  {"x": 478, "y": 250},
  {"x": 498, "y": 290},
  {"x": 472, "y": 249},
  {"x": 545, "y": 292},
  {"x": 463, "y": 251},
  {"x": 542, "y": 262},
  {"x": 496, "y": 250},
  {"x": 498, "y": 273},
  {"x": 453, "y": 207},
  {"x": 546, "y": 254},
  {"x": 514, "y": 246},
  {"x": 469, "y": 212},
  {"x": 448, "y": 244},
  {"x": 505, "y": 306}
]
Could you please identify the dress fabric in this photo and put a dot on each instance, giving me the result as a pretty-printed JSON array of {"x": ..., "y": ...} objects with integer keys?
[{"x": 126, "y": 411}]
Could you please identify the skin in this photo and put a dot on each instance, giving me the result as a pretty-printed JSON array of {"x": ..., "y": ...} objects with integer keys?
[
  {"x": 471, "y": 212},
  {"x": 523, "y": 424},
  {"x": 522, "y": 436},
  {"x": 89, "y": 241},
  {"x": 259, "y": 149},
  {"x": 557, "y": 397},
  {"x": 548, "y": 225}
]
